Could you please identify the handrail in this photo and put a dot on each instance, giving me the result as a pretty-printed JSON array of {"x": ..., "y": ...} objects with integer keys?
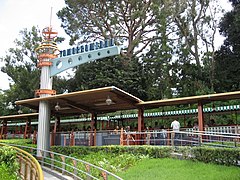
[
  {"x": 180, "y": 138},
  {"x": 27, "y": 163},
  {"x": 43, "y": 160}
]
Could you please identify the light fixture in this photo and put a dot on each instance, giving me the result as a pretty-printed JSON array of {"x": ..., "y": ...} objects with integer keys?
[
  {"x": 108, "y": 101},
  {"x": 57, "y": 107},
  {"x": 213, "y": 107},
  {"x": 163, "y": 111},
  {"x": 20, "y": 111}
]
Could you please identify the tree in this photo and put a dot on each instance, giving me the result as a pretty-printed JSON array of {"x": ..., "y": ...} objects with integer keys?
[
  {"x": 20, "y": 66},
  {"x": 197, "y": 21},
  {"x": 167, "y": 37},
  {"x": 227, "y": 58},
  {"x": 117, "y": 72},
  {"x": 132, "y": 21}
]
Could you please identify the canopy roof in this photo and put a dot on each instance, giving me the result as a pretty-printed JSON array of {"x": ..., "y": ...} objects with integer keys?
[
  {"x": 94, "y": 101},
  {"x": 191, "y": 100},
  {"x": 88, "y": 101},
  {"x": 19, "y": 117}
]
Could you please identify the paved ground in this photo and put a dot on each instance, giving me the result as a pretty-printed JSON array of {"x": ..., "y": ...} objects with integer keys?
[
  {"x": 54, "y": 175},
  {"x": 48, "y": 176}
]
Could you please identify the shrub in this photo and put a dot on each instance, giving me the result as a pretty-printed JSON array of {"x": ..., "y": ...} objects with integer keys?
[
  {"x": 223, "y": 156},
  {"x": 8, "y": 156},
  {"x": 151, "y": 151},
  {"x": 23, "y": 142},
  {"x": 6, "y": 173}
]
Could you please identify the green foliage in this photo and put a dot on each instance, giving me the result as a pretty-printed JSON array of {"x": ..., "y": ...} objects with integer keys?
[
  {"x": 126, "y": 21},
  {"x": 106, "y": 158},
  {"x": 70, "y": 150},
  {"x": 6, "y": 173},
  {"x": 118, "y": 159},
  {"x": 23, "y": 142},
  {"x": 128, "y": 161},
  {"x": 223, "y": 156},
  {"x": 9, "y": 159},
  {"x": 227, "y": 58},
  {"x": 110, "y": 161},
  {"x": 151, "y": 151},
  {"x": 117, "y": 72}
]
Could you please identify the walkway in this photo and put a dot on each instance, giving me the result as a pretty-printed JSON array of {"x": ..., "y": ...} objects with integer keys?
[
  {"x": 54, "y": 175},
  {"x": 48, "y": 176}
]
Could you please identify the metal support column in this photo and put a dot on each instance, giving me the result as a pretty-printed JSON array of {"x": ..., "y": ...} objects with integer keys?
[
  {"x": 200, "y": 116},
  {"x": 27, "y": 130},
  {"x": 4, "y": 130},
  {"x": 56, "y": 128},
  {"x": 46, "y": 51},
  {"x": 140, "y": 120}
]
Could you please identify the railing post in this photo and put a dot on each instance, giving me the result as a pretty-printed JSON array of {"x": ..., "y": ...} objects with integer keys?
[
  {"x": 20, "y": 163},
  {"x": 72, "y": 139},
  {"x": 42, "y": 158},
  {"x": 95, "y": 137},
  {"x": 104, "y": 175},
  {"x": 181, "y": 138},
  {"x": 31, "y": 173},
  {"x": 148, "y": 138},
  {"x": 121, "y": 137},
  {"x": 52, "y": 138},
  {"x": 63, "y": 164},
  {"x": 25, "y": 170},
  {"x": 168, "y": 137},
  {"x": 200, "y": 139},
  {"x": 64, "y": 140},
  {"x": 52, "y": 160},
  {"x": 35, "y": 137},
  {"x": 88, "y": 172},
  {"x": 75, "y": 169},
  {"x": 172, "y": 138},
  {"x": 128, "y": 138}
]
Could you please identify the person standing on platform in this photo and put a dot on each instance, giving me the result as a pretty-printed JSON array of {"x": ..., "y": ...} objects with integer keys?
[{"x": 175, "y": 125}]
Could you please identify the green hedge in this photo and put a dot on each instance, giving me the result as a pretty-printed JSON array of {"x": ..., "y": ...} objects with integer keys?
[
  {"x": 23, "y": 142},
  {"x": 223, "y": 156},
  {"x": 151, "y": 151},
  {"x": 8, "y": 158}
]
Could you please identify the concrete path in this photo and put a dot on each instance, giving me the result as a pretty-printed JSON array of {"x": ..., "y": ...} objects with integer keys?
[
  {"x": 48, "y": 176},
  {"x": 54, "y": 175}
]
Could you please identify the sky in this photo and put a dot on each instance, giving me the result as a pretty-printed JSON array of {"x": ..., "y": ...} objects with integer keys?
[{"x": 15, "y": 15}]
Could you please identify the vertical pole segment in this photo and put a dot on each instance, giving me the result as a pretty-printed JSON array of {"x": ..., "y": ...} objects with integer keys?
[
  {"x": 46, "y": 51},
  {"x": 43, "y": 138},
  {"x": 140, "y": 120},
  {"x": 200, "y": 116}
]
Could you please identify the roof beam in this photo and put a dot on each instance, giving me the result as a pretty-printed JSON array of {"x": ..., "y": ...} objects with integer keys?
[{"x": 78, "y": 106}]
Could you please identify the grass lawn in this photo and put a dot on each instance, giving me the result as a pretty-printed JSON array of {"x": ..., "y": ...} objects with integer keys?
[{"x": 156, "y": 169}]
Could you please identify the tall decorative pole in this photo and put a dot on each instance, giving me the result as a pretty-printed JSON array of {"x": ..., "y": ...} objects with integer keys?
[{"x": 45, "y": 52}]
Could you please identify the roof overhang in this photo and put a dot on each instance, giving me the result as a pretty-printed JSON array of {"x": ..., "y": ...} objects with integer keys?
[
  {"x": 19, "y": 117},
  {"x": 88, "y": 101},
  {"x": 191, "y": 100}
]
